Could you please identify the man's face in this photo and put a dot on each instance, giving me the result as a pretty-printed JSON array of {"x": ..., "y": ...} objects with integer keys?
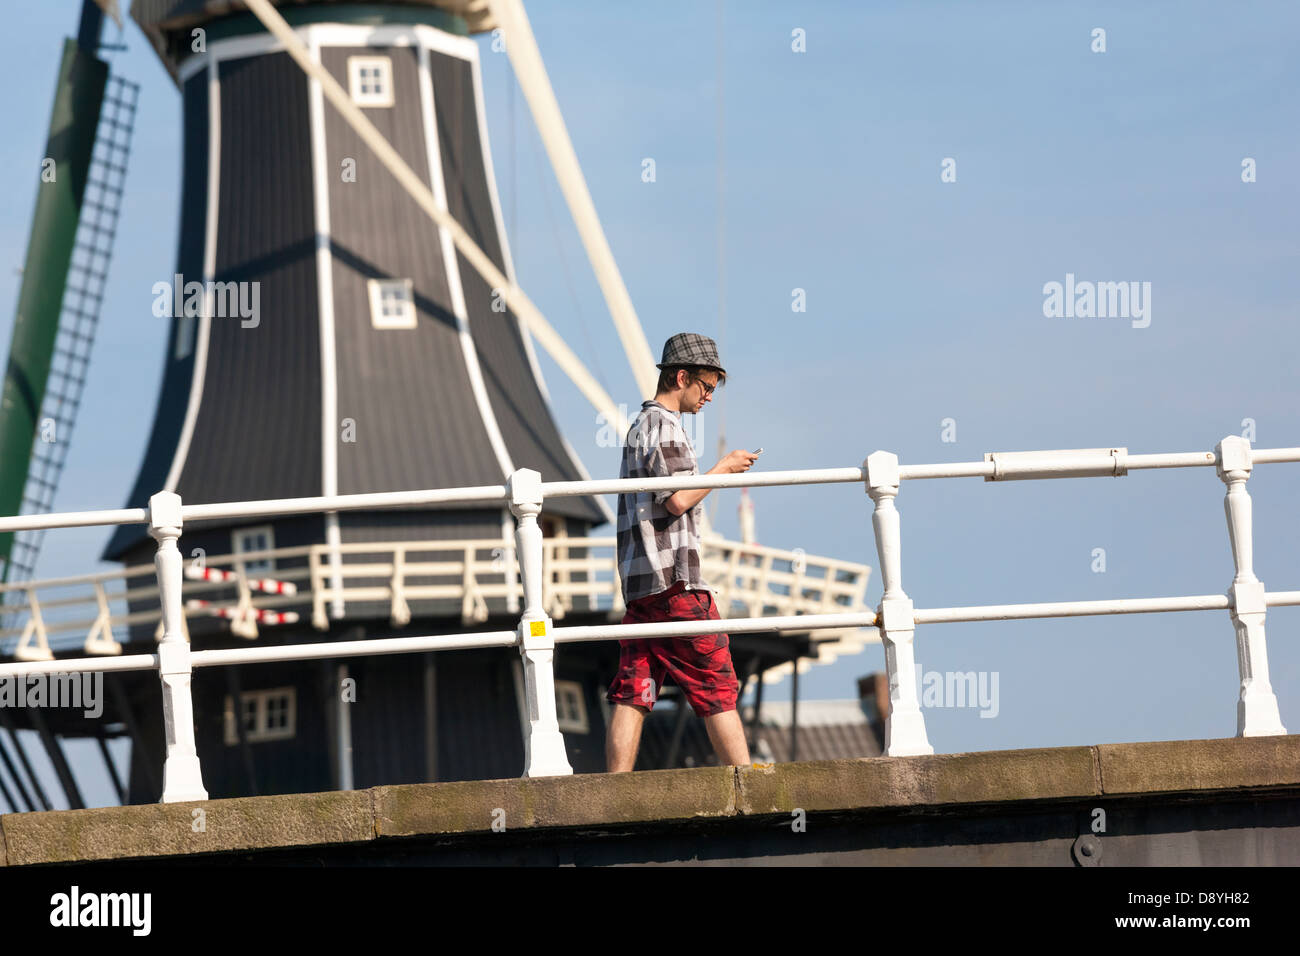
[{"x": 699, "y": 392}]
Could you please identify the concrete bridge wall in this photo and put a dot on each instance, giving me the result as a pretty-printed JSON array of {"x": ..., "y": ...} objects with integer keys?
[{"x": 1199, "y": 802}]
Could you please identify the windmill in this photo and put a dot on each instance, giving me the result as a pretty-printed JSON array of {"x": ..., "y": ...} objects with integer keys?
[{"x": 343, "y": 318}]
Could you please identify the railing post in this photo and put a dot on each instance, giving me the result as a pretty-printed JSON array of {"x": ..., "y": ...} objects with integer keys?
[
  {"x": 399, "y": 612},
  {"x": 905, "y": 725},
  {"x": 544, "y": 753},
  {"x": 1257, "y": 713},
  {"x": 319, "y": 620},
  {"x": 182, "y": 778}
]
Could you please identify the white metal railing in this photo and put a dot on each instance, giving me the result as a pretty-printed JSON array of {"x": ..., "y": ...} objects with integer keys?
[{"x": 536, "y": 637}]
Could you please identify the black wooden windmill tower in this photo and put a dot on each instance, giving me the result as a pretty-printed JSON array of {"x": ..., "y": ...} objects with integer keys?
[
  {"x": 325, "y": 336},
  {"x": 367, "y": 357}
]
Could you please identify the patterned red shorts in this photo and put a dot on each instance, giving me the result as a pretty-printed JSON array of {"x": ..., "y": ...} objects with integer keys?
[{"x": 700, "y": 666}]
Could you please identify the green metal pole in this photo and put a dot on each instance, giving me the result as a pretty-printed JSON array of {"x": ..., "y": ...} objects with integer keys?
[{"x": 64, "y": 169}]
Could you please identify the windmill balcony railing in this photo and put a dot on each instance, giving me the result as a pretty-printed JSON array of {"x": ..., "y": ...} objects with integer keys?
[
  {"x": 535, "y": 636},
  {"x": 749, "y": 576},
  {"x": 360, "y": 580}
]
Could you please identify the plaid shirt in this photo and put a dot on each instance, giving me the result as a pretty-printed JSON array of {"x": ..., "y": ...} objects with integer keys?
[{"x": 656, "y": 547}]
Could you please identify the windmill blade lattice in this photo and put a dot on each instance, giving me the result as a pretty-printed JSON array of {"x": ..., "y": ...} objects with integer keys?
[{"x": 82, "y": 303}]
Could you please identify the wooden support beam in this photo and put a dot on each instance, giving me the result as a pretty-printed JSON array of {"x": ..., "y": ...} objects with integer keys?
[
  {"x": 11, "y": 806},
  {"x": 794, "y": 711},
  {"x": 233, "y": 688},
  {"x": 431, "y": 718},
  {"x": 55, "y": 753},
  {"x": 123, "y": 705},
  {"x": 750, "y": 670},
  {"x": 18, "y": 782},
  {"x": 758, "y": 705},
  {"x": 22, "y": 759},
  {"x": 112, "y": 769}
]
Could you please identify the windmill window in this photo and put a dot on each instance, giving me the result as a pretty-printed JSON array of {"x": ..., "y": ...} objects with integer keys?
[
  {"x": 570, "y": 708},
  {"x": 249, "y": 540},
  {"x": 266, "y": 715},
  {"x": 392, "y": 304},
  {"x": 371, "y": 80}
]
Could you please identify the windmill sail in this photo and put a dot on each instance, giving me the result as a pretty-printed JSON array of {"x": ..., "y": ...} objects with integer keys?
[
  {"x": 77, "y": 207},
  {"x": 82, "y": 302}
]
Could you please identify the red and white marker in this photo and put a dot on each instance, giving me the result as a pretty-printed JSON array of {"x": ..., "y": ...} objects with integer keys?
[
  {"x": 258, "y": 614},
  {"x": 266, "y": 585}
]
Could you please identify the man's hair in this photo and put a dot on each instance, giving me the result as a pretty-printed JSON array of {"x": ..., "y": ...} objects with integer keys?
[{"x": 668, "y": 376}]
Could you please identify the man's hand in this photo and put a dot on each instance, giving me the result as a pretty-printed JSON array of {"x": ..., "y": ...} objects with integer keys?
[{"x": 736, "y": 461}]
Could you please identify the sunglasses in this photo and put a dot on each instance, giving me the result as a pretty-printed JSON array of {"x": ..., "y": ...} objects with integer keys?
[{"x": 708, "y": 389}]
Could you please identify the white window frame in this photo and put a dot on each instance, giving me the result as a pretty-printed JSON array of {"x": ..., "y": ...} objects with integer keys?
[
  {"x": 377, "y": 318},
  {"x": 261, "y": 565},
  {"x": 260, "y": 731},
  {"x": 382, "y": 98},
  {"x": 575, "y": 722}
]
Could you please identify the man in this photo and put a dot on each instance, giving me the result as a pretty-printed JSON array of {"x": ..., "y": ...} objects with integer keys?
[{"x": 659, "y": 562}]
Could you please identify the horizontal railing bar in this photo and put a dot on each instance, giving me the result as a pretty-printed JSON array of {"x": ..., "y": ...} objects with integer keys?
[
  {"x": 973, "y": 469},
  {"x": 740, "y": 625},
  {"x": 984, "y": 469},
  {"x": 99, "y": 576},
  {"x": 389, "y": 645},
  {"x": 459, "y": 544},
  {"x": 482, "y": 494},
  {"x": 193, "y": 588},
  {"x": 612, "y": 486},
  {"x": 569, "y": 635},
  {"x": 148, "y": 570},
  {"x": 494, "y": 494},
  {"x": 75, "y": 519},
  {"x": 1008, "y": 612},
  {"x": 131, "y": 662},
  {"x": 1189, "y": 459},
  {"x": 444, "y": 642},
  {"x": 384, "y": 593},
  {"x": 1270, "y": 456}
]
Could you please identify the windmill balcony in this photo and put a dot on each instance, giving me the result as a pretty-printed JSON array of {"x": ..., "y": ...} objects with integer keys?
[{"x": 253, "y": 594}]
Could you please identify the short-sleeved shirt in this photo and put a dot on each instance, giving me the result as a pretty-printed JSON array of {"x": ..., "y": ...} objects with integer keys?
[{"x": 657, "y": 548}]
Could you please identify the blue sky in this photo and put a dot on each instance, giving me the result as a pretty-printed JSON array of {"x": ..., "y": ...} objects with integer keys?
[{"x": 924, "y": 302}]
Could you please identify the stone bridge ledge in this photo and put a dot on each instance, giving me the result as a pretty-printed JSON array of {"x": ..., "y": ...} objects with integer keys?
[{"x": 1229, "y": 768}]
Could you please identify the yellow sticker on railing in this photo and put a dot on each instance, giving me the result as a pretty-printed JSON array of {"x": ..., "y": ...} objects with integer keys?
[{"x": 537, "y": 629}]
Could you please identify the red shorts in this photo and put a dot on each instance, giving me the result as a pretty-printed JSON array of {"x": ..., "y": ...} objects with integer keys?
[{"x": 700, "y": 666}]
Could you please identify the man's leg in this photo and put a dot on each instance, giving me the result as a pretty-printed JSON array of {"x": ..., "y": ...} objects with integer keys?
[
  {"x": 727, "y": 734},
  {"x": 624, "y": 737}
]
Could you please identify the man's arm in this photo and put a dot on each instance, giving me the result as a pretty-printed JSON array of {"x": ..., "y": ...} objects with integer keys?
[{"x": 734, "y": 463}]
